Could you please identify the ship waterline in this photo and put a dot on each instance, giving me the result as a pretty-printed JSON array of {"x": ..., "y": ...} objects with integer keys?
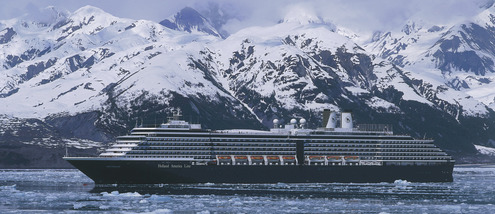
[{"x": 179, "y": 152}]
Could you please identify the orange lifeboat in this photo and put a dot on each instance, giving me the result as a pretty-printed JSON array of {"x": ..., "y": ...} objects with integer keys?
[
  {"x": 257, "y": 158},
  {"x": 272, "y": 158},
  {"x": 334, "y": 159},
  {"x": 351, "y": 158},
  {"x": 289, "y": 159},
  {"x": 241, "y": 157},
  {"x": 224, "y": 157},
  {"x": 315, "y": 158}
]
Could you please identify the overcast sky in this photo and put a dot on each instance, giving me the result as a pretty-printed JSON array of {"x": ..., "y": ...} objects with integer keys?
[{"x": 358, "y": 15}]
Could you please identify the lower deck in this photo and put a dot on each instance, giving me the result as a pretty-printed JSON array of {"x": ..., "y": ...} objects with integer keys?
[{"x": 168, "y": 172}]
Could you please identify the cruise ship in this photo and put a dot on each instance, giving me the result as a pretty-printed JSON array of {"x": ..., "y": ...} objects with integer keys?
[{"x": 181, "y": 152}]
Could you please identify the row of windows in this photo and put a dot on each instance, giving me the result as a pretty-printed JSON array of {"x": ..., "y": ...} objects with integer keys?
[
  {"x": 217, "y": 148},
  {"x": 374, "y": 153},
  {"x": 323, "y": 141},
  {"x": 372, "y": 145},
  {"x": 216, "y": 139},
  {"x": 215, "y": 144},
  {"x": 165, "y": 156},
  {"x": 171, "y": 152},
  {"x": 415, "y": 158},
  {"x": 372, "y": 150},
  {"x": 287, "y": 140},
  {"x": 210, "y": 153},
  {"x": 329, "y": 146},
  {"x": 179, "y": 139}
]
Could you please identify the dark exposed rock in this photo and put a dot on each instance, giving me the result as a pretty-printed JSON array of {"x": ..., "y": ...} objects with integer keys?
[{"x": 6, "y": 35}]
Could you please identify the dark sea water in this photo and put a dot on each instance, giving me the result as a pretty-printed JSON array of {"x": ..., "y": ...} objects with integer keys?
[{"x": 69, "y": 191}]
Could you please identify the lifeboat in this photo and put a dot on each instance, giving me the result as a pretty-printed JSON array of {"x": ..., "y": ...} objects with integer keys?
[
  {"x": 257, "y": 159},
  {"x": 224, "y": 157},
  {"x": 352, "y": 159},
  {"x": 317, "y": 158},
  {"x": 334, "y": 159},
  {"x": 289, "y": 159},
  {"x": 273, "y": 159},
  {"x": 240, "y": 157}
]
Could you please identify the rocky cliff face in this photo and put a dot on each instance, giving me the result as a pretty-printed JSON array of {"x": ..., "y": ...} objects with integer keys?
[{"x": 86, "y": 77}]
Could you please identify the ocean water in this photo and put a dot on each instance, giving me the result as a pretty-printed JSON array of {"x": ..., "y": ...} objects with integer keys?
[{"x": 69, "y": 191}]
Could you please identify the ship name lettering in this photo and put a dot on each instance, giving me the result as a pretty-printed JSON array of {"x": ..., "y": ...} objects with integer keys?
[
  {"x": 176, "y": 165},
  {"x": 163, "y": 166},
  {"x": 370, "y": 163}
]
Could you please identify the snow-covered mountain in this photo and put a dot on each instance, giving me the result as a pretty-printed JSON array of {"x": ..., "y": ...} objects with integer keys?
[
  {"x": 190, "y": 20},
  {"x": 459, "y": 57},
  {"x": 87, "y": 76}
]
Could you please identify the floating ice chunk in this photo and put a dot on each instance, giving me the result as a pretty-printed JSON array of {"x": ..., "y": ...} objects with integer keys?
[
  {"x": 8, "y": 188},
  {"x": 116, "y": 193},
  {"x": 235, "y": 199},
  {"x": 131, "y": 194},
  {"x": 78, "y": 206},
  {"x": 159, "y": 211},
  {"x": 402, "y": 182},
  {"x": 159, "y": 198}
]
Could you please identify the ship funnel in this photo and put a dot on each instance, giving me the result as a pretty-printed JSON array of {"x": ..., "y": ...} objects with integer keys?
[
  {"x": 346, "y": 120},
  {"x": 332, "y": 121},
  {"x": 326, "y": 115}
]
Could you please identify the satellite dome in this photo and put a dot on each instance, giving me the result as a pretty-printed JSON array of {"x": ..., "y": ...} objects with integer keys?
[
  {"x": 302, "y": 121},
  {"x": 293, "y": 121},
  {"x": 275, "y": 121}
]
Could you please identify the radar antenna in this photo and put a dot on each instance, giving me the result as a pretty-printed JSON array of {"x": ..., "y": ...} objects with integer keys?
[{"x": 176, "y": 114}]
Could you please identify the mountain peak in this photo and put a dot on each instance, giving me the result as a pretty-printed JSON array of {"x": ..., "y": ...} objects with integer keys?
[
  {"x": 88, "y": 9},
  {"x": 189, "y": 20},
  {"x": 46, "y": 16},
  {"x": 302, "y": 16}
]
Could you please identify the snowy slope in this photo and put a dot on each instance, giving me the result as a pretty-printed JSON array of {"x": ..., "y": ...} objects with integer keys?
[
  {"x": 459, "y": 58},
  {"x": 91, "y": 51},
  {"x": 485, "y": 150}
]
